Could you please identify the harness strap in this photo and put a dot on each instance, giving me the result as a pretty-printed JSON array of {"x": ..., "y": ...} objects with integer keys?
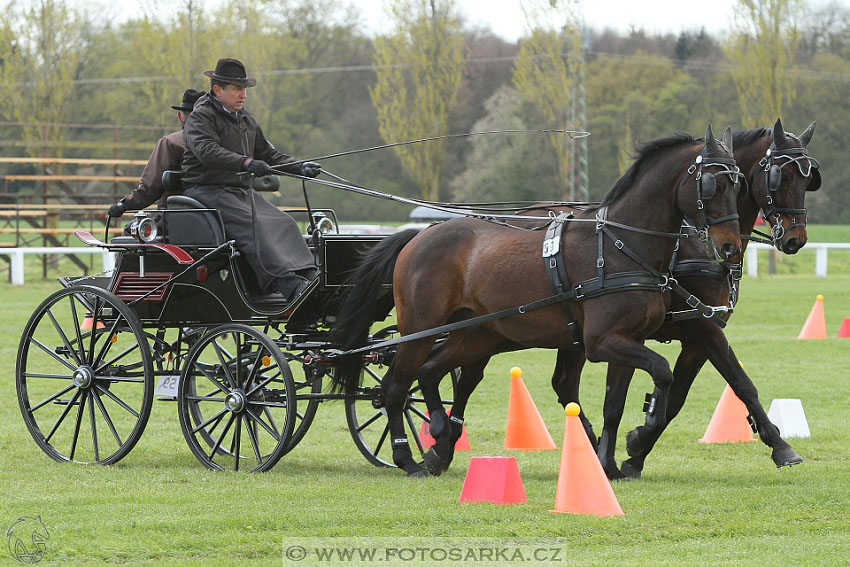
[{"x": 557, "y": 273}]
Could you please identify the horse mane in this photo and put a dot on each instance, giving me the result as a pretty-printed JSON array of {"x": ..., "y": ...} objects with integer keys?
[
  {"x": 642, "y": 154},
  {"x": 743, "y": 138}
]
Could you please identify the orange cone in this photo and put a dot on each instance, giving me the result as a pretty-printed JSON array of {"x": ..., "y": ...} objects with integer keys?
[
  {"x": 582, "y": 487},
  {"x": 815, "y": 325},
  {"x": 87, "y": 320},
  {"x": 462, "y": 444},
  {"x": 844, "y": 331},
  {"x": 493, "y": 479},
  {"x": 729, "y": 423},
  {"x": 525, "y": 430}
]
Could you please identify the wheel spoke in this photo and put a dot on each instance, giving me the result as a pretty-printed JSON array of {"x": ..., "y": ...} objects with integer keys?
[
  {"x": 118, "y": 357},
  {"x": 200, "y": 367},
  {"x": 419, "y": 412},
  {"x": 43, "y": 375},
  {"x": 369, "y": 421},
  {"x": 77, "y": 330},
  {"x": 382, "y": 439},
  {"x": 107, "y": 418},
  {"x": 237, "y": 439},
  {"x": 252, "y": 436},
  {"x": 70, "y": 366},
  {"x": 64, "y": 390},
  {"x": 93, "y": 333},
  {"x": 259, "y": 420},
  {"x": 62, "y": 416},
  {"x": 224, "y": 365},
  {"x": 117, "y": 400},
  {"x": 90, "y": 395},
  {"x": 374, "y": 375},
  {"x": 218, "y": 441},
  {"x": 64, "y": 337},
  {"x": 217, "y": 418},
  {"x": 77, "y": 426},
  {"x": 272, "y": 423}
]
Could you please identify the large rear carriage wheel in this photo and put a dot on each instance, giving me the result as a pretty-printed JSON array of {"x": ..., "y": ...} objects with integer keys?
[
  {"x": 84, "y": 376},
  {"x": 236, "y": 400}
]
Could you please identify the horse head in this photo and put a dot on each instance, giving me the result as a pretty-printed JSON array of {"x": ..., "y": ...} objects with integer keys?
[
  {"x": 708, "y": 195},
  {"x": 786, "y": 173}
]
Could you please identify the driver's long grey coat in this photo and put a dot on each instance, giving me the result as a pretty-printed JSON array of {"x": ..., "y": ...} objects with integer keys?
[{"x": 217, "y": 144}]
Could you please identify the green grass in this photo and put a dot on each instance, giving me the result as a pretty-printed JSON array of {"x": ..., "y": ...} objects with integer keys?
[{"x": 696, "y": 503}]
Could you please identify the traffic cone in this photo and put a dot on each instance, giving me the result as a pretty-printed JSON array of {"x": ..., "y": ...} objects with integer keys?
[
  {"x": 582, "y": 487},
  {"x": 493, "y": 479},
  {"x": 87, "y": 322},
  {"x": 789, "y": 417},
  {"x": 729, "y": 423},
  {"x": 525, "y": 430},
  {"x": 462, "y": 444},
  {"x": 815, "y": 325},
  {"x": 844, "y": 331}
]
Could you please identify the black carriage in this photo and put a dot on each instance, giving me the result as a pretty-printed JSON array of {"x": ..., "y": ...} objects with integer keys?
[{"x": 180, "y": 318}]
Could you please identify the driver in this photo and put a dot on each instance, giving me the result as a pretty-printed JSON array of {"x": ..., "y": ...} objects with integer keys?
[{"x": 223, "y": 139}]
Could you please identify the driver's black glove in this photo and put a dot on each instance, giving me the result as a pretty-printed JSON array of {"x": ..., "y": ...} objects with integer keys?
[
  {"x": 258, "y": 167},
  {"x": 310, "y": 169},
  {"x": 117, "y": 209}
]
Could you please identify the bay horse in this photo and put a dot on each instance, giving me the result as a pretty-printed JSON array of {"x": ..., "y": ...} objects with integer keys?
[
  {"x": 779, "y": 173},
  {"x": 455, "y": 272}
]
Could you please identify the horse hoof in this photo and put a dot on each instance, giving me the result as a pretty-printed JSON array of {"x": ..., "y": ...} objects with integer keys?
[
  {"x": 433, "y": 463},
  {"x": 629, "y": 472},
  {"x": 416, "y": 471},
  {"x": 613, "y": 473},
  {"x": 633, "y": 442},
  {"x": 786, "y": 457}
]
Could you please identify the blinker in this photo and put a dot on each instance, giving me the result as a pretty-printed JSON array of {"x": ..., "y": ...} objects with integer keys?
[
  {"x": 707, "y": 186},
  {"x": 814, "y": 183},
  {"x": 774, "y": 178}
]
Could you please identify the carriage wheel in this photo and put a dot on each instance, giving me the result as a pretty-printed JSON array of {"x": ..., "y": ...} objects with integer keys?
[
  {"x": 236, "y": 400},
  {"x": 367, "y": 416},
  {"x": 85, "y": 376}
]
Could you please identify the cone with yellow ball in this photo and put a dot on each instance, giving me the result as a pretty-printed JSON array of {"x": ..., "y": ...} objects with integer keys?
[
  {"x": 815, "y": 325},
  {"x": 582, "y": 486},
  {"x": 525, "y": 429}
]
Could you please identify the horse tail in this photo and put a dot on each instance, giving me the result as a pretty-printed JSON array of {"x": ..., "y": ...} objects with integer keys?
[{"x": 363, "y": 305}]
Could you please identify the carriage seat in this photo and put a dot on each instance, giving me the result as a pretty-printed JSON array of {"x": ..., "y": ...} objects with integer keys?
[{"x": 188, "y": 227}]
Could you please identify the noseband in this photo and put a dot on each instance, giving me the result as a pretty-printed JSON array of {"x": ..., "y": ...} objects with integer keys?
[
  {"x": 706, "y": 186},
  {"x": 773, "y": 179}
]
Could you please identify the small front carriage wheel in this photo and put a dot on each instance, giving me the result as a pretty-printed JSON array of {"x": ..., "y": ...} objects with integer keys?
[
  {"x": 84, "y": 376},
  {"x": 236, "y": 400}
]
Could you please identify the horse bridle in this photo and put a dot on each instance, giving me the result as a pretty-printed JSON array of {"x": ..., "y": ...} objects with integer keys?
[
  {"x": 707, "y": 185},
  {"x": 773, "y": 179}
]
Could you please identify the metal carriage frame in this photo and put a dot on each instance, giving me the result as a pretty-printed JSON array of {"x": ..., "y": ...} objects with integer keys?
[{"x": 181, "y": 319}]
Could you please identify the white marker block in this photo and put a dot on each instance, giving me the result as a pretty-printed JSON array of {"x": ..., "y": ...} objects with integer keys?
[{"x": 788, "y": 416}]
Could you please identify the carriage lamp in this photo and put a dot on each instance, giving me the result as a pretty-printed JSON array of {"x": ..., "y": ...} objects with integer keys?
[
  {"x": 144, "y": 228},
  {"x": 323, "y": 223}
]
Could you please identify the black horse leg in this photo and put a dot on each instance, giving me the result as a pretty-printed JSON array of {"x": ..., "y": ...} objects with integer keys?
[
  {"x": 688, "y": 364},
  {"x": 723, "y": 358},
  {"x": 566, "y": 380},
  {"x": 450, "y": 427},
  {"x": 628, "y": 352},
  {"x": 616, "y": 390}
]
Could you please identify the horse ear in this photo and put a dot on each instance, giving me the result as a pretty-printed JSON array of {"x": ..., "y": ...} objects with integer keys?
[
  {"x": 779, "y": 138},
  {"x": 806, "y": 136},
  {"x": 710, "y": 142},
  {"x": 727, "y": 139}
]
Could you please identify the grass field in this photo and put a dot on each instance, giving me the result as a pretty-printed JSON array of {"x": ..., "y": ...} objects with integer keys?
[{"x": 696, "y": 503}]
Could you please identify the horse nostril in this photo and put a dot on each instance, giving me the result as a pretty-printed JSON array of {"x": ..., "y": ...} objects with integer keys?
[
  {"x": 791, "y": 246},
  {"x": 729, "y": 250}
]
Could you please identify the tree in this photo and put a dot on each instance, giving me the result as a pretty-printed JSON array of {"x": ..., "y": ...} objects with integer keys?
[
  {"x": 546, "y": 71},
  {"x": 418, "y": 73},
  {"x": 762, "y": 47},
  {"x": 39, "y": 60}
]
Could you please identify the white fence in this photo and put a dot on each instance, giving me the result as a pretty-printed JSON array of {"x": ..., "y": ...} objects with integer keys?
[
  {"x": 16, "y": 257},
  {"x": 821, "y": 251}
]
